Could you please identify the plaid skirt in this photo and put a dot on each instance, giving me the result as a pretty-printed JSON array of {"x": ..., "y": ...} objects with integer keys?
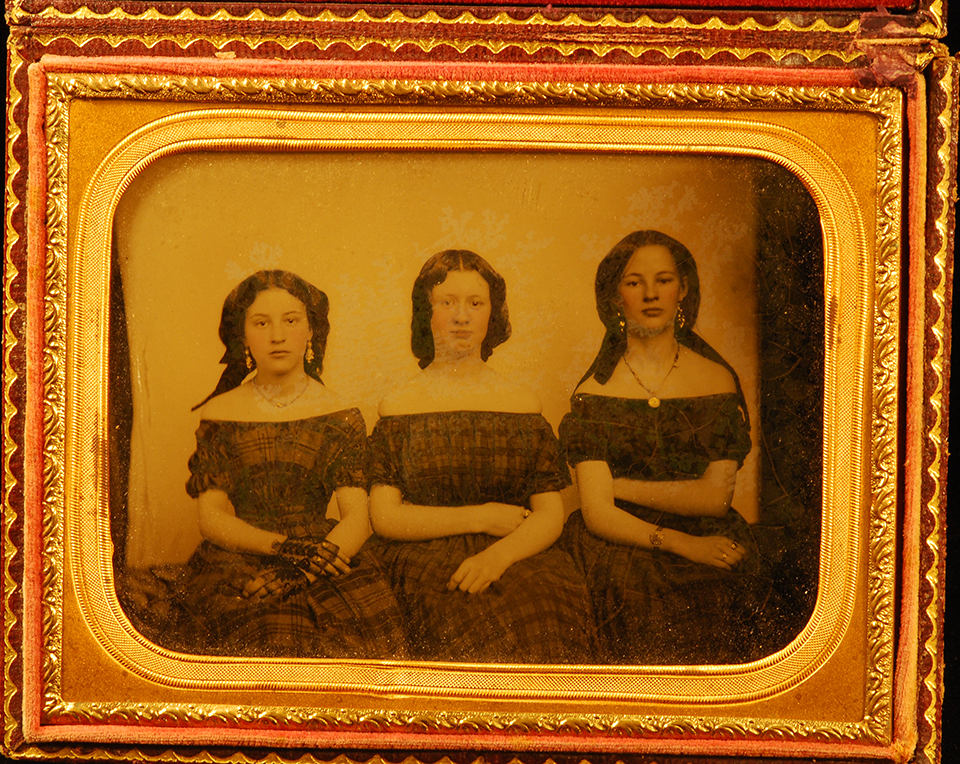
[
  {"x": 656, "y": 608},
  {"x": 350, "y": 616},
  {"x": 537, "y": 612}
]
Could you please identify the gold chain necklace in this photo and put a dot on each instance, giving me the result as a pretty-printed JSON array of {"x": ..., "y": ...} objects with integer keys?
[
  {"x": 653, "y": 401},
  {"x": 280, "y": 404}
]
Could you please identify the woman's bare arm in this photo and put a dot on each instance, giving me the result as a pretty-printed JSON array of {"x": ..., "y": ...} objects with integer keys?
[
  {"x": 414, "y": 522},
  {"x": 707, "y": 496},
  {"x": 354, "y": 526},
  {"x": 537, "y": 532},
  {"x": 604, "y": 518},
  {"x": 220, "y": 525}
]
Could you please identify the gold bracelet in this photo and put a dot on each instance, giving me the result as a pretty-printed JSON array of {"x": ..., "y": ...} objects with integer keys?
[{"x": 656, "y": 538}]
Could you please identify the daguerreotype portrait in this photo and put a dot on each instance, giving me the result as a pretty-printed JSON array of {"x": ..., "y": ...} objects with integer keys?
[
  {"x": 376, "y": 408},
  {"x": 338, "y": 223}
]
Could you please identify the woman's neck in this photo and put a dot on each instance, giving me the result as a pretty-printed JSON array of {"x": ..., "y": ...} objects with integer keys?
[
  {"x": 657, "y": 349},
  {"x": 464, "y": 367},
  {"x": 281, "y": 386}
]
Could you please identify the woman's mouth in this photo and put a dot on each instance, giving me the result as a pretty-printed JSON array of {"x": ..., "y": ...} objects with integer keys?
[{"x": 652, "y": 312}]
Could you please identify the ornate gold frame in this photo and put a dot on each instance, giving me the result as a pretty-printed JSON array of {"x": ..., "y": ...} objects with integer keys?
[{"x": 68, "y": 587}]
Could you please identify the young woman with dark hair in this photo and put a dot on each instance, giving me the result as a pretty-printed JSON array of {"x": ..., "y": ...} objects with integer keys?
[
  {"x": 274, "y": 576},
  {"x": 657, "y": 431},
  {"x": 465, "y": 476}
]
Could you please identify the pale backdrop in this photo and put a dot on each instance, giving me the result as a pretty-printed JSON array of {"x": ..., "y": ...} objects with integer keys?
[{"x": 359, "y": 226}]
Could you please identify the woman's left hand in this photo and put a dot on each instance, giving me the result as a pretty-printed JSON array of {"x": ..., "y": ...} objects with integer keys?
[
  {"x": 311, "y": 556},
  {"x": 277, "y": 580},
  {"x": 716, "y": 551},
  {"x": 477, "y": 573}
]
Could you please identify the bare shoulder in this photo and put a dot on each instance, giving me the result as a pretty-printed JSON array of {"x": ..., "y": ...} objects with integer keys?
[
  {"x": 404, "y": 398},
  {"x": 319, "y": 400},
  {"x": 514, "y": 397},
  {"x": 429, "y": 392},
  {"x": 228, "y": 406},
  {"x": 705, "y": 377},
  {"x": 243, "y": 404}
]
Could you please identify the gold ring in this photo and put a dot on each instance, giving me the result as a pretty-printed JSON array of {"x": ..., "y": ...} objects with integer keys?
[
  {"x": 724, "y": 557},
  {"x": 733, "y": 544},
  {"x": 526, "y": 513}
]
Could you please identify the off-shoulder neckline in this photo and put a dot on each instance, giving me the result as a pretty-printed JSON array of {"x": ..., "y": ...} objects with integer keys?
[
  {"x": 662, "y": 400},
  {"x": 328, "y": 415},
  {"x": 537, "y": 414}
]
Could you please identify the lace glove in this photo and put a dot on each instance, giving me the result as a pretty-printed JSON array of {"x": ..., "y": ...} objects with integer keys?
[{"x": 311, "y": 556}]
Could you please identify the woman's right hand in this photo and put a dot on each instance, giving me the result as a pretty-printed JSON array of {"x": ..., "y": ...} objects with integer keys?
[
  {"x": 501, "y": 519},
  {"x": 716, "y": 551}
]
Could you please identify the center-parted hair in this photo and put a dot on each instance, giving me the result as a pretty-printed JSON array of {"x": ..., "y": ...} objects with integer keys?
[
  {"x": 610, "y": 306},
  {"x": 435, "y": 272},
  {"x": 234, "y": 315}
]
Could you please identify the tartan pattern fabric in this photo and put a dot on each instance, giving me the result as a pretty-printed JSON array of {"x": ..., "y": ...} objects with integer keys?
[
  {"x": 266, "y": 466},
  {"x": 539, "y": 609},
  {"x": 280, "y": 476},
  {"x": 653, "y": 607},
  {"x": 675, "y": 441},
  {"x": 455, "y": 458}
]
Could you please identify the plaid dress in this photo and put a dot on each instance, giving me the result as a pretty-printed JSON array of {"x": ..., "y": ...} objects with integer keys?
[
  {"x": 279, "y": 477},
  {"x": 654, "y": 607},
  {"x": 539, "y": 609}
]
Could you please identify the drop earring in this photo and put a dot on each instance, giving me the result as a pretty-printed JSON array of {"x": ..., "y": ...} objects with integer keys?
[
  {"x": 308, "y": 356},
  {"x": 681, "y": 319},
  {"x": 248, "y": 359}
]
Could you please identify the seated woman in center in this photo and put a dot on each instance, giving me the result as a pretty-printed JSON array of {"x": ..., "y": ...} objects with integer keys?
[{"x": 465, "y": 476}]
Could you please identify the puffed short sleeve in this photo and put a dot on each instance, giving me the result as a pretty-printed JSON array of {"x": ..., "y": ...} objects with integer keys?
[
  {"x": 583, "y": 439},
  {"x": 550, "y": 471},
  {"x": 729, "y": 437},
  {"x": 208, "y": 464},
  {"x": 385, "y": 448}
]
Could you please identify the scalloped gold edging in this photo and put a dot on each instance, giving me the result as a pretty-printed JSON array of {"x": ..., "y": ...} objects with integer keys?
[
  {"x": 10, "y": 447},
  {"x": 572, "y": 19},
  {"x": 428, "y": 43},
  {"x": 946, "y": 154},
  {"x": 883, "y": 103}
]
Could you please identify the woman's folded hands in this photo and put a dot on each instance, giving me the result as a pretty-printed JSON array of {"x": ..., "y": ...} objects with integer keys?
[{"x": 295, "y": 563}]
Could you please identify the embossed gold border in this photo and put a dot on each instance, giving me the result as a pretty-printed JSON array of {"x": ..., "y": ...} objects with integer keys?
[
  {"x": 66, "y": 532},
  {"x": 453, "y": 131}
]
